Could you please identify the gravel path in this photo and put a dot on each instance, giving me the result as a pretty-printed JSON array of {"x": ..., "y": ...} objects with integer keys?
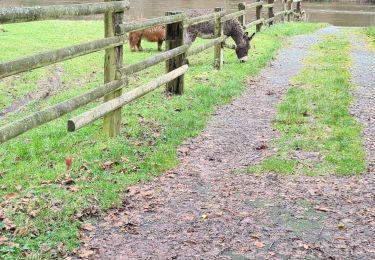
[
  {"x": 205, "y": 209},
  {"x": 363, "y": 71}
]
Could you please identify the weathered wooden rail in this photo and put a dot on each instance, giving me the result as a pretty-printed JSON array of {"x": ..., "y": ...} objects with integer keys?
[{"x": 115, "y": 73}]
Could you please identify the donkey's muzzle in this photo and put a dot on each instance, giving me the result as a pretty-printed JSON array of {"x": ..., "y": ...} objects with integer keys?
[{"x": 243, "y": 59}]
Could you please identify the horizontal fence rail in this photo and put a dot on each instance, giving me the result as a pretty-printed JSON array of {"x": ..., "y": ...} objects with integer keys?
[
  {"x": 12, "y": 130},
  {"x": 116, "y": 74},
  {"x": 197, "y": 49},
  {"x": 28, "y": 14},
  {"x": 139, "y": 25},
  {"x": 339, "y": 12},
  {"x": 86, "y": 118},
  {"x": 146, "y": 63},
  {"x": 54, "y": 56},
  {"x": 203, "y": 18},
  {"x": 260, "y": 21}
]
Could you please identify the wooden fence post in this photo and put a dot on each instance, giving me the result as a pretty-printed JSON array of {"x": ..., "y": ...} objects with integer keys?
[
  {"x": 270, "y": 11},
  {"x": 175, "y": 38},
  {"x": 290, "y": 2},
  {"x": 113, "y": 61},
  {"x": 258, "y": 16},
  {"x": 298, "y": 9},
  {"x": 218, "y": 50},
  {"x": 242, "y": 19}
]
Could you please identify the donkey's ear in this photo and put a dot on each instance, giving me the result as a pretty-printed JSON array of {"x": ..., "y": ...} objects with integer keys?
[{"x": 251, "y": 37}]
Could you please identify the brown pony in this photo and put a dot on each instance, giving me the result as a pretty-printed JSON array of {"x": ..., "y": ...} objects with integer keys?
[{"x": 153, "y": 34}]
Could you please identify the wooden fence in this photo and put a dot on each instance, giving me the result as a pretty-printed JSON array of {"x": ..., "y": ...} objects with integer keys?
[{"x": 115, "y": 73}]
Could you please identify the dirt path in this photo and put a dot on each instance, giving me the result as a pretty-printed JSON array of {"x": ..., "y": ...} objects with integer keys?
[
  {"x": 363, "y": 71},
  {"x": 204, "y": 209}
]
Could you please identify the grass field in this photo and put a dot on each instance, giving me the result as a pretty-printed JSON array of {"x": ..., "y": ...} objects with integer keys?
[
  {"x": 42, "y": 204},
  {"x": 371, "y": 33},
  {"x": 314, "y": 118}
]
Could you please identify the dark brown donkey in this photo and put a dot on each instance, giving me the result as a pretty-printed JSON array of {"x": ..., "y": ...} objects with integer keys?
[{"x": 232, "y": 28}]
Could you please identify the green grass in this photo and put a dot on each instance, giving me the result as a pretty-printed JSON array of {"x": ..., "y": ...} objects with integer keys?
[
  {"x": 32, "y": 166},
  {"x": 370, "y": 31},
  {"x": 314, "y": 120}
]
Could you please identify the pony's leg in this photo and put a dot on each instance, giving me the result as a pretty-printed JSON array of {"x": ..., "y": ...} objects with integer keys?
[
  {"x": 139, "y": 45},
  {"x": 160, "y": 43}
]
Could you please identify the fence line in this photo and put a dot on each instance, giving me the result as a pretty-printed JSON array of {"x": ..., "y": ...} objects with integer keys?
[
  {"x": 28, "y": 14},
  {"x": 115, "y": 74}
]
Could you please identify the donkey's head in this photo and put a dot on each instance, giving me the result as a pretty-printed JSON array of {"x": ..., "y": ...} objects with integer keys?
[{"x": 242, "y": 49}]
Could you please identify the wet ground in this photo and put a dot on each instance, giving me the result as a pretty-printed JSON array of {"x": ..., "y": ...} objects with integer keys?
[{"x": 207, "y": 209}]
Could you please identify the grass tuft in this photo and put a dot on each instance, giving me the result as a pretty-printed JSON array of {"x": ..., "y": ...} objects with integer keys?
[{"x": 314, "y": 119}]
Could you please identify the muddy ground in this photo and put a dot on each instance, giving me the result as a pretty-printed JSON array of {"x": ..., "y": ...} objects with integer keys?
[{"x": 207, "y": 208}]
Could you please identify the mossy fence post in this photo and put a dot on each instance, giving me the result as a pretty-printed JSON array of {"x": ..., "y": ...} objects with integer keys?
[
  {"x": 242, "y": 19},
  {"x": 270, "y": 11},
  {"x": 219, "y": 48},
  {"x": 113, "y": 61},
  {"x": 285, "y": 10},
  {"x": 298, "y": 8},
  {"x": 289, "y": 6},
  {"x": 174, "y": 39},
  {"x": 258, "y": 16}
]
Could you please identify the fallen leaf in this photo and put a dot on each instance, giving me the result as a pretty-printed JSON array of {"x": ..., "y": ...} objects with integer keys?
[
  {"x": 341, "y": 226},
  {"x": 8, "y": 224},
  {"x": 10, "y": 196},
  {"x": 255, "y": 236},
  {"x": 12, "y": 244},
  {"x": 45, "y": 248},
  {"x": 3, "y": 240},
  {"x": 305, "y": 246},
  {"x": 86, "y": 253},
  {"x": 204, "y": 216},
  {"x": 259, "y": 244},
  {"x": 88, "y": 227},
  {"x": 341, "y": 238},
  {"x": 107, "y": 165},
  {"x": 22, "y": 231},
  {"x": 83, "y": 167},
  {"x": 34, "y": 213},
  {"x": 73, "y": 188},
  {"x": 261, "y": 147},
  {"x": 68, "y": 181},
  {"x": 324, "y": 209}
]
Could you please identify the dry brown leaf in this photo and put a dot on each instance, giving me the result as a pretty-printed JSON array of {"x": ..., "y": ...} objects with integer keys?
[
  {"x": 85, "y": 253},
  {"x": 107, "y": 165},
  {"x": 3, "y": 240},
  {"x": 259, "y": 244},
  {"x": 33, "y": 213},
  {"x": 324, "y": 209},
  {"x": 22, "y": 231},
  {"x": 8, "y": 224},
  {"x": 255, "y": 236},
  {"x": 88, "y": 227},
  {"x": 306, "y": 246},
  {"x": 10, "y": 196},
  {"x": 204, "y": 216},
  {"x": 340, "y": 238},
  {"x": 73, "y": 188},
  {"x": 68, "y": 181},
  {"x": 341, "y": 226}
]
